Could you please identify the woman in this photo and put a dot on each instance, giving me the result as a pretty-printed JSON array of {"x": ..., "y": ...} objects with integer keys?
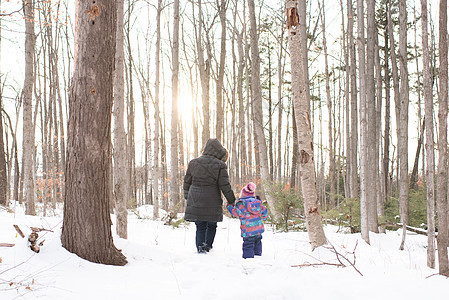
[{"x": 206, "y": 178}]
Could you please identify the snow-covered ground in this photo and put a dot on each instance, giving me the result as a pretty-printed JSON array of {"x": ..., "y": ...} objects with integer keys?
[{"x": 163, "y": 264}]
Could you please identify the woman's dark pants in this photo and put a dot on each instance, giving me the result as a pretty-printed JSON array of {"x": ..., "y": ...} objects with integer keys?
[{"x": 205, "y": 234}]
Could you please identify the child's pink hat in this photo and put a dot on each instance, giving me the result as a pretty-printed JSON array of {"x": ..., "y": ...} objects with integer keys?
[{"x": 248, "y": 190}]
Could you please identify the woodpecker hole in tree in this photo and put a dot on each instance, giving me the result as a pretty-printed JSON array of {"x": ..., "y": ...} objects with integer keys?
[{"x": 292, "y": 18}]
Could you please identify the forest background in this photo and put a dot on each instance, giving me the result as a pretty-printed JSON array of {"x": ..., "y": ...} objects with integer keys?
[{"x": 218, "y": 68}]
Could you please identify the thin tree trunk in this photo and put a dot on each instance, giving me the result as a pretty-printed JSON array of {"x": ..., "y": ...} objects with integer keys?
[
  {"x": 329, "y": 109},
  {"x": 156, "y": 169},
  {"x": 347, "y": 101},
  {"x": 403, "y": 120},
  {"x": 353, "y": 166},
  {"x": 221, "y": 7},
  {"x": 386, "y": 150},
  {"x": 430, "y": 154},
  {"x": 28, "y": 132},
  {"x": 371, "y": 130},
  {"x": 442, "y": 238},
  {"x": 121, "y": 182},
  {"x": 363, "y": 124},
  {"x": 174, "y": 185},
  {"x": 257, "y": 104},
  {"x": 302, "y": 107},
  {"x": 87, "y": 224}
]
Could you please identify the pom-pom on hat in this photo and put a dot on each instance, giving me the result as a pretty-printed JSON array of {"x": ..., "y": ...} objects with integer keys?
[{"x": 248, "y": 190}]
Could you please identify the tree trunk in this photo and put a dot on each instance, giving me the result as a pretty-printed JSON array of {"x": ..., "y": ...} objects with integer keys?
[
  {"x": 430, "y": 154},
  {"x": 121, "y": 183},
  {"x": 380, "y": 204},
  {"x": 371, "y": 130},
  {"x": 403, "y": 120},
  {"x": 204, "y": 68},
  {"x": 353, "y": 166},
  {"x": 156, "y": 169},
  {"x": 329, "y": 109},
  {"x": 3, "y": 171},
  {"x": 86, "y": 227},
  {"x": 257, "y": 103},
  {"x": 174, "y": 185},
  {"x": 28, "y": 132},
  {"x": 363, "y": 123},
  {"x": 281, "y": 67},
  {"x": 442, "y": 238},
  {"x": 221, "y": 7},
  {"x": 302, "y": 108},
  {"x": 347, "y": 102},
  {"x": 386, "y": 150}
]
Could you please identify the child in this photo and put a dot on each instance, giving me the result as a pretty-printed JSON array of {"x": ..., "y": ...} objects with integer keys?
[{"x": 251, "y": 212}]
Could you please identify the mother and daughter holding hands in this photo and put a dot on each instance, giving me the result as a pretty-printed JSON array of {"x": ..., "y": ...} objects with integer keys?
[{"x": 206, "y": 178}]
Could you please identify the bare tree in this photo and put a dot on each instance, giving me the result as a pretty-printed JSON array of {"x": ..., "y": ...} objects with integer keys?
[
  {"x": 442, "y": 238},
  {"x": 353, "y": 170},
  {"x": 221, "y": 7},
  {"x": 302, "y": 108},
  {"x": 371, "y": 129},
  {"x": 257, "y": 102},
  {"x": 121, "y": 183},
  {"x": 403, "y": 120},
  {"x": 363, "y": 131},
  {"x": 174, "y": 185},
  {"x": 156, "y": 169},
  {"x": 86, "y": 227},
  {"x": 3, "y": 173},
  {"x": 332, "y": 201},
  {"x": 430, "y": 155},
  {"x": 28, "y": 127}
]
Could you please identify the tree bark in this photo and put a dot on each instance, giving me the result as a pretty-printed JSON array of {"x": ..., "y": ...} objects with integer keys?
[
  {"x": 353, "y": 166},
  {"x": 302, "y": 108},
  {"x": 403, "y": 120},
  {"x": 86, "y": 227},
  {"x": 156, "y": 169},
  {"x": 371, "y": 130},
  {"x": 174, "y": 185},
  {"x": 221, "y": 7},
  {"x": 121, "y": 183},
  {"x": 332, "y": 202},
  {"x": 28, "y": 127},
  {"x": 257, "y": 103},
  {"x": 430, "y": 154},
  {"x": 363, "y": 123},
  {"x": 442, "y": 238}
]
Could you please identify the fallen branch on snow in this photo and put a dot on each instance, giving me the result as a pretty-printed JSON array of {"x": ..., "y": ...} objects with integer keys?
[{"x": 343, "y": 261}]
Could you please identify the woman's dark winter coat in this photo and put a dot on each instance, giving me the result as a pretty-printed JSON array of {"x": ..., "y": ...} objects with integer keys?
[{"x": 206, "y": 178}]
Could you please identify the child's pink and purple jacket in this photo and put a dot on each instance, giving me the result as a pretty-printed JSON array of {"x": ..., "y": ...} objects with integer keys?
[{"x": 251, "y": 212}]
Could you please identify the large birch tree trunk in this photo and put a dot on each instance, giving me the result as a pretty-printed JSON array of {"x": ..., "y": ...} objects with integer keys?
[
  {"x": 121, "y": 183},
  {"x": 302, "y": 109},
  {"x": 87, "y": 224}
]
